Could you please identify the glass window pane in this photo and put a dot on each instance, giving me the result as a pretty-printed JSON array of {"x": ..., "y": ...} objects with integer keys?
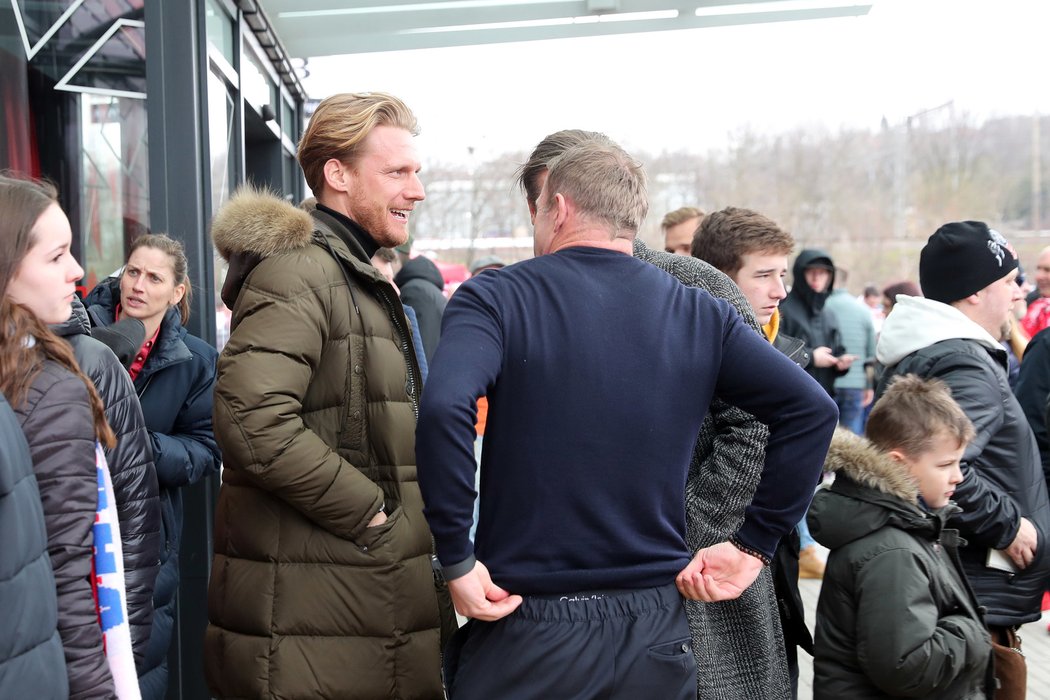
[
  {"x": 115, "y": 186},
  {"x": 78, "y": 33},
  {"x": 220, "y": 137},
  {"x": 255, "y": 83},
  {"x": 16, "y": 145},
  {"x": 220, "y": 29},
  {"x": 119, "y": 64},
  {"x": 223, "y": 161},
  {"x": 288, "y": 121},
  {"x": 40, "y": 15}
]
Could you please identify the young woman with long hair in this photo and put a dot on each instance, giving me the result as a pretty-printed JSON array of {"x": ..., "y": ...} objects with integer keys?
[{"x": 59, "y": 410}]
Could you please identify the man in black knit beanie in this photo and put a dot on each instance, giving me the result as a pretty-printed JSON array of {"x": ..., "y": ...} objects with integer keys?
[{"x": 968, "y": 273}]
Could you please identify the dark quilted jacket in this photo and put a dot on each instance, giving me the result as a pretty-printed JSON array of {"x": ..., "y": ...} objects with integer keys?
[
  {"x": 175, "y": 390},
  {"x": 132, "y": 471},
  {"x": 57, "y": 422},
  {"x": 896, "y": 617},
  {"x": 31, "y": 659}
]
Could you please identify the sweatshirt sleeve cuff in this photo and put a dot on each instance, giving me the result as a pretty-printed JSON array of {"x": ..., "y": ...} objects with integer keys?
[
  {"x": 454, "y": 571},
  {"x": 748, "y": 550},
  {"x": 749, "y": 539}
]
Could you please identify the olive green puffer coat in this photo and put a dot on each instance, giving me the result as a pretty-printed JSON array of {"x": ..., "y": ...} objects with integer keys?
[{"x": 315, "y": 414}]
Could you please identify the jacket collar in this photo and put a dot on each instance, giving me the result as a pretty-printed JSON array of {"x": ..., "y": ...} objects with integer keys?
[
  {"x": 929, "y": 524},
  {"x": 170, "y": 349},
  {"x": 329, "y": 231},
  {"x": 871, "y": 491},
  {"x": 258, "y": 222},
  {"x": 864, "y": 464},
  {"x": 916, "y": 323},
  {"x": 360, "y": 236},
  {"x": 255, "y": 224},
  {"x": 77, "y": 323}
]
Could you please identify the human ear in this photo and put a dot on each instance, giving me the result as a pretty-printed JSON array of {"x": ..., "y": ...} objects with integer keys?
[
  {"x": 178, "y": 294},
  {"x": 562, "y": 210},
  {"x": 336, "y": 175},
  {"x": 899, "y": 457}
]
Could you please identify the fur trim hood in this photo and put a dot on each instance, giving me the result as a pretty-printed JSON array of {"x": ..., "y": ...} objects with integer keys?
[
  {"x": 871, "y": 492},
  {"x": 259, "y": 223},
  {"x": 858, "y": 459}
]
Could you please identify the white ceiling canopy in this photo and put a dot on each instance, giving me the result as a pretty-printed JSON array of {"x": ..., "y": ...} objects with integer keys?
[{"x": 312, "y": 28}]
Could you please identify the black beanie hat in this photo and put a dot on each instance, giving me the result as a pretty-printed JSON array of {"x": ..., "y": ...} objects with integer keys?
[{"x": 963, "y": 258}]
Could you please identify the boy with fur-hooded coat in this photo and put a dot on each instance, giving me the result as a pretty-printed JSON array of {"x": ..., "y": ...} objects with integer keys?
[
  {"x": 896, "y": 617},
  {"x": 315, "y": 414}
]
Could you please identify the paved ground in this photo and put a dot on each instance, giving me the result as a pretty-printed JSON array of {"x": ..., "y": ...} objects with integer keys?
[{"x": 1035, "y": 641}]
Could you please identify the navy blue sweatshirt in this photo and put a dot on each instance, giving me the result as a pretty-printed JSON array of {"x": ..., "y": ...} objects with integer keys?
[{"x": 599, "y": 370}]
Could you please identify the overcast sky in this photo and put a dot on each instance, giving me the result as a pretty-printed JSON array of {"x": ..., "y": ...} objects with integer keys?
[{"x": 692, "y": 89}]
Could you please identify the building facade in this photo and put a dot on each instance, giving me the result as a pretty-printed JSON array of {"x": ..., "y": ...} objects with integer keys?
[{"x": 147, "y": 115}]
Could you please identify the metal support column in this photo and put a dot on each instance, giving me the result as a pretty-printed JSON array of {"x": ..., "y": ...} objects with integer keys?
[{"x": 176, "y": 63}]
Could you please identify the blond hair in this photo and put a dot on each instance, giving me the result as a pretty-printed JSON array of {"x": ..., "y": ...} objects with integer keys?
[
  {"x": 679, "y": 216},
  {"x": 340, "y": 125}
]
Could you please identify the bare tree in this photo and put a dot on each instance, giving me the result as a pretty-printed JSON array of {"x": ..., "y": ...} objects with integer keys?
[{"x": 870, "y": 198}]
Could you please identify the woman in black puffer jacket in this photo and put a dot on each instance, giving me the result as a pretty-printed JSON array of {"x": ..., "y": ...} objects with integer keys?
[
  {"x": 174, "y": 375},
  {"x": 131, "y": 467},
  {"x": 59, "y": 411}
]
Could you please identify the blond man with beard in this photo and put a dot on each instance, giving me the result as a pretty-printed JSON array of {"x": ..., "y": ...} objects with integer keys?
[{"x": 322, "y": 583}]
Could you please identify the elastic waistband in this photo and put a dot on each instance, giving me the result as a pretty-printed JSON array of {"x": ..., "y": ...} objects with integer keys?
[{"x": 598, "y": 605}]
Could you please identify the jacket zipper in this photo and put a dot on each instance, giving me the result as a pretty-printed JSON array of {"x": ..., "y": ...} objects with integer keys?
[{"x": 406, "y": 351}]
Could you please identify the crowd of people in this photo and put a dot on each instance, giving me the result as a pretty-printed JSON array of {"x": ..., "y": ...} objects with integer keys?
[{"x": 613, "y": 462}]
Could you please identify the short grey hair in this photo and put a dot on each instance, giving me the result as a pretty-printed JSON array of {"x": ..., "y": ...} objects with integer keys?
[{"x": 605, "y": 182}]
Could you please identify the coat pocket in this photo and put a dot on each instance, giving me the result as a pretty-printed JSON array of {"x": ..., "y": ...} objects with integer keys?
[
  {"x": 381, "y": 540},
  {"x": 679, "y": 651}
]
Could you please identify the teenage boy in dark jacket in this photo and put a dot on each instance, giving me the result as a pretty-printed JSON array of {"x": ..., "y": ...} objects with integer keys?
[{"x": 753, "y": 251}]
